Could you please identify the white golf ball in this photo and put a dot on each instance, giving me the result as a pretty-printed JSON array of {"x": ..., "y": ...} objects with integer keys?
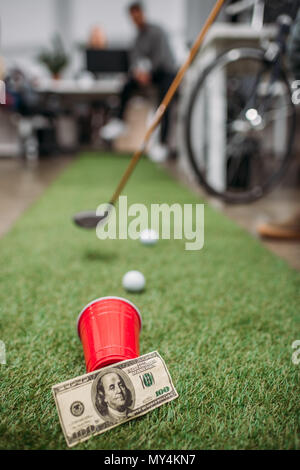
[
  {"x": 134, "y": 281},
  {"x": 149, "y": 237}
]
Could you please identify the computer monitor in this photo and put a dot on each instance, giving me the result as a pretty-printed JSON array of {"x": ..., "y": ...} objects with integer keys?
[{"x": 107, "y": 60}]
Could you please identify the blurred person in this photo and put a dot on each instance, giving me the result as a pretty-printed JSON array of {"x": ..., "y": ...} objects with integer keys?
[
  {"x": 151, "y": 63},
  {"x": 97, "y": 39},
  {"x": 21, "y": 95},
  {"x": 288, "y": 229},
  {"x": 3, "y": 97},
  {"x": 2, "y": 70}
]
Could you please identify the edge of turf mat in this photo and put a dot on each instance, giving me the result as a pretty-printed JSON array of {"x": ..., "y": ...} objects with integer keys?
[{"x": 223, "y": 319}]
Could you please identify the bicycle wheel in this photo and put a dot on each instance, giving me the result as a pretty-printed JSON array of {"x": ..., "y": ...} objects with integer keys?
[{"x": 240, "y": 126}]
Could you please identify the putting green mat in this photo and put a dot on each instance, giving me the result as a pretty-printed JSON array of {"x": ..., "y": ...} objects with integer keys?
[{"x": 223, "y": 318}]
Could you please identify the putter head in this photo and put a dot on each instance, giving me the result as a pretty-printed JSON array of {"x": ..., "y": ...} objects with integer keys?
[{"x": 89, "y": 219}]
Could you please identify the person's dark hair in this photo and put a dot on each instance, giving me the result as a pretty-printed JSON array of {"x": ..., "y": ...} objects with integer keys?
[
  {"x": 100, "y": 397},
  {"x": 136, "y": 6}
]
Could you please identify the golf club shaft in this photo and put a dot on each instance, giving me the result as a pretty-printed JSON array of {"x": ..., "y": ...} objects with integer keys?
[{"x": 166, "y": 101}]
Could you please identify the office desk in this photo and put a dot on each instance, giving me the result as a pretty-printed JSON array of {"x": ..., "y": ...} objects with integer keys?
[
  {"x": 82, "y": 88},
  {"x": 86, "y": 102}
]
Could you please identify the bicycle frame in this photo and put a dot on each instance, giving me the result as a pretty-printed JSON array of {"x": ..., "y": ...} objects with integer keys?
[{"x": 258, "y": 6}]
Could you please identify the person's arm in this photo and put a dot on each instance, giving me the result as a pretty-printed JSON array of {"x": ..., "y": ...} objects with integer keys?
[
  {"x": 137, "y": 58},
  {"x": 294, "y": 47},
  {"x": 140, "y": 66},
  {"x": 134, "y": 56},
  {"x": 160, "y": 50}
]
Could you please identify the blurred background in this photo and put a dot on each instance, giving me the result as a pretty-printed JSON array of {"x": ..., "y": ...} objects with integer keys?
[
  {"x": 69, "y": 27},
  {"x": 64, "y": 64}
]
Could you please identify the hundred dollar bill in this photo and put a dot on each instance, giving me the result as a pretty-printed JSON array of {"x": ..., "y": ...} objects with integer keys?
[{"x": 96, "y": 402}]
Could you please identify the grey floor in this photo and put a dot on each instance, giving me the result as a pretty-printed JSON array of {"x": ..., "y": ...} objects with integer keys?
[
  {"x": 21, "y": 185},
  {"x": 280, "y": 204}
]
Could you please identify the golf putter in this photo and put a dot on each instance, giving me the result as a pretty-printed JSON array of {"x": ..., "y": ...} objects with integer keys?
[{"x": 90, "y": 219}]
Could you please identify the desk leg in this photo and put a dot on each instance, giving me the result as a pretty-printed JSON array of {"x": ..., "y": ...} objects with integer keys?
[
  {"x": 217, "y": 111},
  {"x": 281, "y": 122}
]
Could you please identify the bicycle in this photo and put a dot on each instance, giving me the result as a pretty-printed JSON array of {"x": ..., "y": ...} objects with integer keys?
[{"x": 246, "y": 94}]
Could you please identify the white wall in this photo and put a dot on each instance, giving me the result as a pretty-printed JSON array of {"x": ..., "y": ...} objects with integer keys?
[
  {"x": 113, "y": 17},
  {"x": 28, "y": 25},
  {"x": 25, "y": 25},
  {"x": 196, "y": 12}
]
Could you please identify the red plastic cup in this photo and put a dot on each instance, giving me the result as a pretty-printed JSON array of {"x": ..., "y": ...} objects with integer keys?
[{"x": 109, "y": 330}]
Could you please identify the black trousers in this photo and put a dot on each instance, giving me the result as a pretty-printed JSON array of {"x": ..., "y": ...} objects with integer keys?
[{"x": 162, "y": 81}]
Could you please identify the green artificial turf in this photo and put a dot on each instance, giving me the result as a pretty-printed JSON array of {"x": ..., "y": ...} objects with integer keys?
[{"x": 223, "y": 318}]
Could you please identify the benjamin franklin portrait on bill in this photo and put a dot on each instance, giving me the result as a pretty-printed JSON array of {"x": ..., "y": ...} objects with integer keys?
[{"x": 113, "y": 395}]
